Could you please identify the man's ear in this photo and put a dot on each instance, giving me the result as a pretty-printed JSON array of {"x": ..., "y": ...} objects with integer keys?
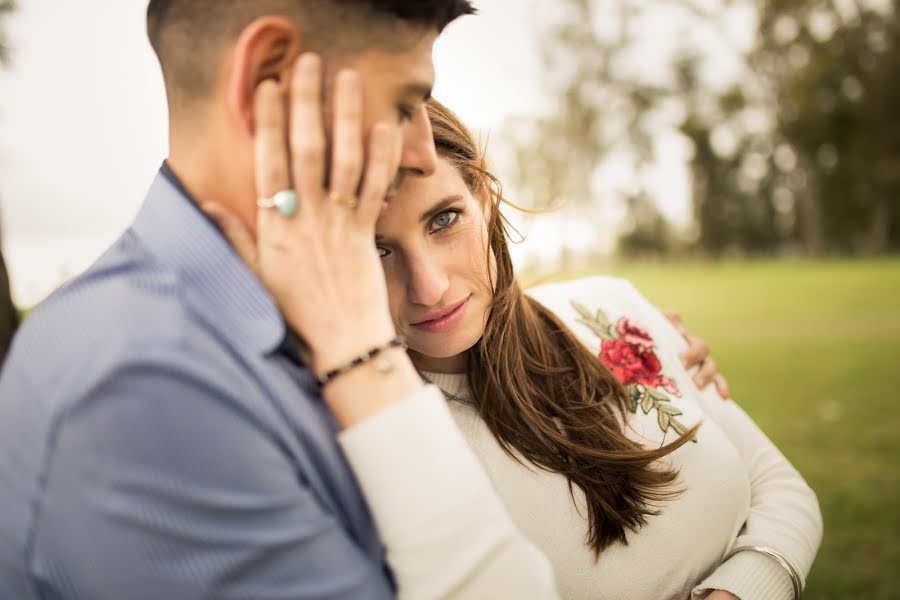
[{"x": 266, "y": 49}]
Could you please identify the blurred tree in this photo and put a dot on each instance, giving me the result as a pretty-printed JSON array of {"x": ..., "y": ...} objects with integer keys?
[
  {"x": 839, "y": 113},
  {"x": 6, "y": 7},
  {"x": 799, "y": 153},
  {"x": 595, "y": 109},
  {"x": 647, "y": 232},
  {"x": 735, "y": 168},
  {"x": 823, "y": 174},
  {"x": 9, "y": 318}
]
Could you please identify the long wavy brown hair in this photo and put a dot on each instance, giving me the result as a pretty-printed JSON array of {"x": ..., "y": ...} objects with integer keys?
[{"x": 539, "y": 389}]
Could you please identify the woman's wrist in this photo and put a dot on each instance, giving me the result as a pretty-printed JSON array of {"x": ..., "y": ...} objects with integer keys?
[
  {"x": 336, "y": 347},
  {"x": 376, "y": 353},
  {"x": 370, "y": 388}
]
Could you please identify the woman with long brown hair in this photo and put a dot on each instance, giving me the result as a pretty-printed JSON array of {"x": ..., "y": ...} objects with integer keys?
[{"x": 632, "y": 480}]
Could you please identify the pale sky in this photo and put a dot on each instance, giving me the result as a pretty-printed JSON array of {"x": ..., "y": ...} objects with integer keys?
[{"x": 83, "y": 122}]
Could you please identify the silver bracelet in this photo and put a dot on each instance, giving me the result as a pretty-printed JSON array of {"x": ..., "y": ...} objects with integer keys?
[{"x": 796, "y": 581}]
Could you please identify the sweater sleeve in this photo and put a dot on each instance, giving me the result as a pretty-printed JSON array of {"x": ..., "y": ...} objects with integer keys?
[
  {"x": 784, "y": 512},
  {"x": 446, "y": 531}
]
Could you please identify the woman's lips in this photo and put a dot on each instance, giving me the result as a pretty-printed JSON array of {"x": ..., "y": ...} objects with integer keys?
[{"x": 444, "y": 322}]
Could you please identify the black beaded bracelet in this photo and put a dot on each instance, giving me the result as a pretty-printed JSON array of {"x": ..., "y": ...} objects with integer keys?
[{"x": 329, "y": 376}]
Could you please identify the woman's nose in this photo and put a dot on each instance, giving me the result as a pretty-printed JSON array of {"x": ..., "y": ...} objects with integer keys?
[{"x": 427, "y": 282}]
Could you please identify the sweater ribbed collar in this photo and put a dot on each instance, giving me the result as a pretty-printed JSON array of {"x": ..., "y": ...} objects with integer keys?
[{"x": 454, "y": 385}]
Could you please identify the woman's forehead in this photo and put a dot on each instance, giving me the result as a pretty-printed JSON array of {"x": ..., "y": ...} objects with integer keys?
[
  {"x": 445, "y": 180},
  {"x": 417, "y": 194}
]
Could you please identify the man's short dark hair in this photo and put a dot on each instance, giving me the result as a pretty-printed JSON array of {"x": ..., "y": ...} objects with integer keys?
[{"x": 189, "y": 35}]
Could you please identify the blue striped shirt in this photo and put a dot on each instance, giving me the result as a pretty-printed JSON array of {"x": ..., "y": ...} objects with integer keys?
[{"x": 157, "y": 442}]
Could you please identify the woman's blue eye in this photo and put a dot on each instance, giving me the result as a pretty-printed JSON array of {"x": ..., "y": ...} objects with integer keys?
[{"x": 445, "y": 219}]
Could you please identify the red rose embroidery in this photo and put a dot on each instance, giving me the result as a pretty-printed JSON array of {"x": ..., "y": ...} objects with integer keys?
[
  {"x": 634, "y": 335},
  {"x": 632, "y": 359},
  {"x": 629, "y": 352},
  {"x": 627, "y": 363}
]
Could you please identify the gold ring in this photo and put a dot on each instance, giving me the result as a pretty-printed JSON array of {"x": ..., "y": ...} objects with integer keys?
[{"x": 348, "y": 200}]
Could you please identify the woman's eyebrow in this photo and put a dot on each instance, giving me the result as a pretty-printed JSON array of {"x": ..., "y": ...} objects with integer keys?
[{"x": 444, "y": 203}]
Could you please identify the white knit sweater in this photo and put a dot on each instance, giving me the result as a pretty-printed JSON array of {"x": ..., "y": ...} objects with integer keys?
[{"x": 739, "y": 489}]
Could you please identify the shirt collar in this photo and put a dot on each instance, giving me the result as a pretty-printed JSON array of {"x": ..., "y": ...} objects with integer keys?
[{"x": 214, "y": 280}]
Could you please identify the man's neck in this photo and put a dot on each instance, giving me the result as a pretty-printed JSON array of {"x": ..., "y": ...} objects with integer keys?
[{"x": 211, "y": 173}]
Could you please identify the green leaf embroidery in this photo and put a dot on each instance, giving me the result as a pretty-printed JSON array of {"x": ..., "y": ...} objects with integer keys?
[
  {"x": 598, "y": 329},
  {"x": 658, "y": 395},
  {"x": 668, "y": 409},
  {"x": 582, "y": 310},
  {"x": 681, "y": 429},
  {"x": 634, "y": 396},
  {"x": 598, "y": 323},
  {"x": 664, "y": 420},
  {"x": 648, "y": 403}
]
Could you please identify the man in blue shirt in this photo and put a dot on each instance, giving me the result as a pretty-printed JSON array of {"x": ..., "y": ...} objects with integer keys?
[{"x": 159, "y": 437}]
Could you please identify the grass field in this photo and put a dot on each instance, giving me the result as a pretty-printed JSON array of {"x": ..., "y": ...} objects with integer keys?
[{"x": 812, "y": 351}]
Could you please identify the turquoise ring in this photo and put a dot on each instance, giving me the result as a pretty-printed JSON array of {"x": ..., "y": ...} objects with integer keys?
[{"x": 285, "y": 201}]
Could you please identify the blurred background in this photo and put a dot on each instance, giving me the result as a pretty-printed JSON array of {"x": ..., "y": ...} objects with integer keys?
[{"x": 739, "y": 160}]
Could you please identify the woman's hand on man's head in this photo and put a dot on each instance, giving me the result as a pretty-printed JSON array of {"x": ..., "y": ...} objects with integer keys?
[
  {"x": 318, "y": 258},
  {"x": 315, "y": 251}
]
